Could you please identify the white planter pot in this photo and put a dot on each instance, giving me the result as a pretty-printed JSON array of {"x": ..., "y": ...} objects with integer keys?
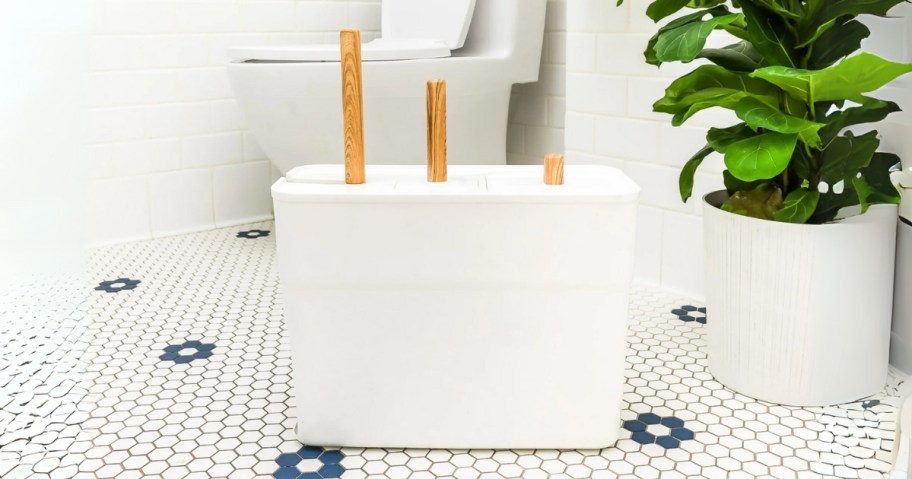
[
  {"x": 901, "y": 344},
  {"x": 799, "y": 314}
]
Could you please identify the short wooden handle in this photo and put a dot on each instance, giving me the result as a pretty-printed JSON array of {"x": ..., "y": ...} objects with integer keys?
[
  {"x": 554, "y": 169},
  {"x": 436, "y": 131},
  {"x": 352, "y": 106}
]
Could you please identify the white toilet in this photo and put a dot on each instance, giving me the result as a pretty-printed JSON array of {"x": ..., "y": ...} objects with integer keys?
[{"x": 292, "y": 95}]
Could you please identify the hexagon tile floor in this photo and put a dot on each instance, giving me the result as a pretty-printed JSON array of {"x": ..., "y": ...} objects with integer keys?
[{"x": 171, "y": 362}]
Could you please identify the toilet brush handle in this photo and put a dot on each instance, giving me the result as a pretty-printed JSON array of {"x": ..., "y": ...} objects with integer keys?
[
  {"x": 554, "y": 169},
  {"x": 352, "y": 106},
  {"x": 437, "y": 131}
]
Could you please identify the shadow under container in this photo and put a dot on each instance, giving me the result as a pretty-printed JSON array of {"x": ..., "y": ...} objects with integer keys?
[{"x": 489, "y": 311}]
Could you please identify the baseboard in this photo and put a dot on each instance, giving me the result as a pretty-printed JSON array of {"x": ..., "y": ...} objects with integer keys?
[{"x": 244, "y": 221}]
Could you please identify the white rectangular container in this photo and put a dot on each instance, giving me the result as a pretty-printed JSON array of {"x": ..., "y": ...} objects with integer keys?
[{"x": 486, "y": 312}]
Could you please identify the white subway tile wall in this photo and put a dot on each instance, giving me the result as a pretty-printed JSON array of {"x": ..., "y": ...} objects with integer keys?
[
  {"x": 537, "y": 110},
  {"x": 167, "y": 149},
  {"x": 610, "y": 91}
]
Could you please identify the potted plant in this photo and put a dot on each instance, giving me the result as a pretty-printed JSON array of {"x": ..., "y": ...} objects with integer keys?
[{"x": 800, "y": 246}]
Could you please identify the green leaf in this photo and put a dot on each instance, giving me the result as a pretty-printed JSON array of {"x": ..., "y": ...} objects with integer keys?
[
  {"x": 650, "y": 53},
  {"x": 853, "y": 76},
  {"x": 830, "y": 204},
  {"x": 712, "y": 86},
  {"x": 875, "y": 185},
  {"x": 660, "y": 9},
  {"x": 774, "y": 6},
  {"x": 704, "y": 3},
  {"x": 685, "y": 42},
  {"x": 738, "y": 30},
  {"x": 698, "y": 16},
  {"x": 801, "y": 164},
  {"x": 816, "y": 34},
  {"x": 863, "y": 190},
  {"x": 798, "y": 206},
  {"x": 741, "y": 56},
  {"x": 837, "y": 43},
  {"x": 846, "y": 155},
  {"x": 686, "y": 180},
  {"x": 760, "y": 115},
  {"x": 820, "y": 12},
  {"x": 720, "y": 138},
  {"x": 769, "y": 35},
  {"x": 733, "y": 184},
  {"x": 795, "y": 82},
  {"x": 689, "y": 19},
  {"x": 871, "y": 110},
  {"x": 760, "y": 157}
]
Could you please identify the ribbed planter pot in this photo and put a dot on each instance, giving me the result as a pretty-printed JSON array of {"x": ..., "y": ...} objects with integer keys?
[
  {"x": 799, "y": 314},
  {"x": 901, "y": 344}
]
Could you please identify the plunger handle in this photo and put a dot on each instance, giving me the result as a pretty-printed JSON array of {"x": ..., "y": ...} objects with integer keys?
[
  {"x": 436, "y": 131},
  {"x": 352, "y": 105},
  {"x": 554, "y": 169}
]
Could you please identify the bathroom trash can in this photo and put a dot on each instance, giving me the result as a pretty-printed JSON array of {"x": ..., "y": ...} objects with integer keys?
[{"x": 489, "y": 311}]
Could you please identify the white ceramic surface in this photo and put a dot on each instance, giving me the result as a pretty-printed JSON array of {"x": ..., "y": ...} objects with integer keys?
[
  {"x": 294, "y": 109},
  {"x": 441, "y": 304},
  {"x": 901, "y": 339},
  {"x": 376, "y": 50},
  {"x": 799, "y": 314},
  {"x": 446, "y": 20},
  {"x": 902, "y": 439}
]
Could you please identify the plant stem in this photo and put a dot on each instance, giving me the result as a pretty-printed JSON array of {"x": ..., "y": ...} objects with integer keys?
[
  {"x": 807, "y": 56},
  {"x": 814, "y": 166}
]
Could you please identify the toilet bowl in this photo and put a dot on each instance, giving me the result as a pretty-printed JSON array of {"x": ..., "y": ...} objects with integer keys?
[{"x": 291, "y": 95}]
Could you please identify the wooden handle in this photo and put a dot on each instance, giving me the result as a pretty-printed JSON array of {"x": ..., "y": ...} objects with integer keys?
[
  {"x": 554, "y": 169},
  {"x": 436, "y": 131},
  {"x": 352, "y": 106}
]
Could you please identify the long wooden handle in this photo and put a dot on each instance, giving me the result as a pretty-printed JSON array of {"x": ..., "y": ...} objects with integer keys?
[
  {"x": 352, "y": 106},
  {"x": 554, "y": 169},
  {"x": 437, "y": 131}
]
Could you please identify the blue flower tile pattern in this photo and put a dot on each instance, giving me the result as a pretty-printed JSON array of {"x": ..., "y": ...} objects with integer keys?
[
  {"x": 117, "y": 285},
  {"x": 649, "y": 428},
  {"x": 330, "y": 466},
  {"x": 689, "y": 314},
  {"x": 232, "y": 417},
  {"x": 182, "y": 354},
  {"x": 253, "y": 234}
]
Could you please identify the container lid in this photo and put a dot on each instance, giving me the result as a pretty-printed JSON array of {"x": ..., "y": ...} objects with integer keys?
[
  {"x": 373, "y": 51},
  {"x": 582, "y": 183},
  {"x": 444, "y": 20}
]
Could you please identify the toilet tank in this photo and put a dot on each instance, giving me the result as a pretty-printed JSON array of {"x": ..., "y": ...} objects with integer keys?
[
  {"x": 445, "y": 20},
  {"x": 511, "y": 30}
]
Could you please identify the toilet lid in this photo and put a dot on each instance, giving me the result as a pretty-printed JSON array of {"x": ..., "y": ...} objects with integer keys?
[
  {"x": 376, "y": 50},
  {"x": 445, "y": 20}
]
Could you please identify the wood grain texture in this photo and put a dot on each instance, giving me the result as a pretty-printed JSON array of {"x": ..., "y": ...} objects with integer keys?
[
  {"x": 554, "y": 169},
  {"x": 352, "y": 106},
  {"x": 436, "y": 131}
]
